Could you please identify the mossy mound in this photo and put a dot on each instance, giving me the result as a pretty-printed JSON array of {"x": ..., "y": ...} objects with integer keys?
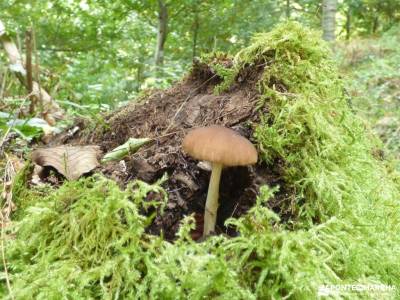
[{"x": 88, "y": 239}]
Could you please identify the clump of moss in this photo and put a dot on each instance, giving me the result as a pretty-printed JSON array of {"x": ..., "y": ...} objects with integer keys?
[
  {"x": 25, "y": 195},
  {"x": 21, "y": 180},
  {"x": 82, "y": 239},
  {"x": 346, "y": 197},
  {"x": 310, "y": 126},
  {"x": 87, "y": 239},
  {"x": 220, "y": 64}
]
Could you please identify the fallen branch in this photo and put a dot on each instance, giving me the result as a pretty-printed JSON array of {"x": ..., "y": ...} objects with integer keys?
[{"x": 51, "y": 110}]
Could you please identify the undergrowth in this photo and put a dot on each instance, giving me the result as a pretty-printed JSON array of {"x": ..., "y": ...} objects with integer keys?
[
  {"x": 87, "y": 240},
  {"x": 373, "y": 67}
]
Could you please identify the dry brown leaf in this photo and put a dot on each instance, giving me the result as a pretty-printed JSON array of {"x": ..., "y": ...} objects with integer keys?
[{"x": 70, "y": 161}]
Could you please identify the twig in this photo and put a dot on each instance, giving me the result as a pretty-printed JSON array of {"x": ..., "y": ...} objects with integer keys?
[
  {"x": 232, "y": 214},
  {"x": 165, "y": 135}
]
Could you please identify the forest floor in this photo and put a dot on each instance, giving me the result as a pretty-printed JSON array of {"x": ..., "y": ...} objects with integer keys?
[{"x": 371, "y": 70}]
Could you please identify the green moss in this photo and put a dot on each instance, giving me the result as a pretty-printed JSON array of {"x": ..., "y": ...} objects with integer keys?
[
  {"x": 24, "y": 195},
  {"x": 87, "y": 239},
  {"x": 83, "y": 239},
  {"x": 349, "y": 197},
  {"x": 20, "y": 181},
  {"x": 220, "y": 64}
]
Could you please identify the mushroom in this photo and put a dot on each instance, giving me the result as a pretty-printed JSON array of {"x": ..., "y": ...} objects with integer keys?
[{"x": 221, "y": 147}]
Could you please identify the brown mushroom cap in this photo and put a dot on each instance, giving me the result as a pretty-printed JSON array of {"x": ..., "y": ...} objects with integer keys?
[{"x": 220, "y": 145}]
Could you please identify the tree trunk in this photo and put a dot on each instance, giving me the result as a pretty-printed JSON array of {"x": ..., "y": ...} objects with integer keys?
[
  {"x": 162, "y": 32},
  {"x": 196, "y": 26},
  {"x": 375, "y": 24},
  {"x": 139, "y": 76},
  {"x": 287, "y": 9},
  {"x": 215, "y": 42},
  {"x": 329, "y": 19},
  {"x": 29, "y": 73},
  {"x": 348, "y": 23},
  {"x": 51, "y": 109}
]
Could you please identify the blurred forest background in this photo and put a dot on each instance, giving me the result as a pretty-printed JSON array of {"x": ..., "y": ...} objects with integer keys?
[{"x": 93, "y": 56}]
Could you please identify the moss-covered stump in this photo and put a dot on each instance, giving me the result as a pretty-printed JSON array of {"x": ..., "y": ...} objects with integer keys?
[{"x": 90, "y": 239}]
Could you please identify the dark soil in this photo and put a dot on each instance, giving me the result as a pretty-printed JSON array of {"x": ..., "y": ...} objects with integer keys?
[{"x": 166, "y": 116}]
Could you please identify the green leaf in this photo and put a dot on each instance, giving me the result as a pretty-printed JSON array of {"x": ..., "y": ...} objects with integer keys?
[{"x": 130, "y": 147}]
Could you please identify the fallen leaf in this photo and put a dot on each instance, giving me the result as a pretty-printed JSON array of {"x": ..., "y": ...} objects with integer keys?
[{"x": 70, "y": 161}]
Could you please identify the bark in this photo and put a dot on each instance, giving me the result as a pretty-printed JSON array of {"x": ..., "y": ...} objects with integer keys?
[
  {"x": 162, "y": 32},
  {"x": 329, "y": 19},
  {"x": 50, "y": 108}
]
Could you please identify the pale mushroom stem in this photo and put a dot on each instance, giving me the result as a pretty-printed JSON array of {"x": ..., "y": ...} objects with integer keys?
[{"x": 210, "y": 214}]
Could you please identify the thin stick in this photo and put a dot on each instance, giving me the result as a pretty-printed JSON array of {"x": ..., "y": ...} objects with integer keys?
[
  {"x": 165, "y": 135},
  {"x": 232, "y": 214}
]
